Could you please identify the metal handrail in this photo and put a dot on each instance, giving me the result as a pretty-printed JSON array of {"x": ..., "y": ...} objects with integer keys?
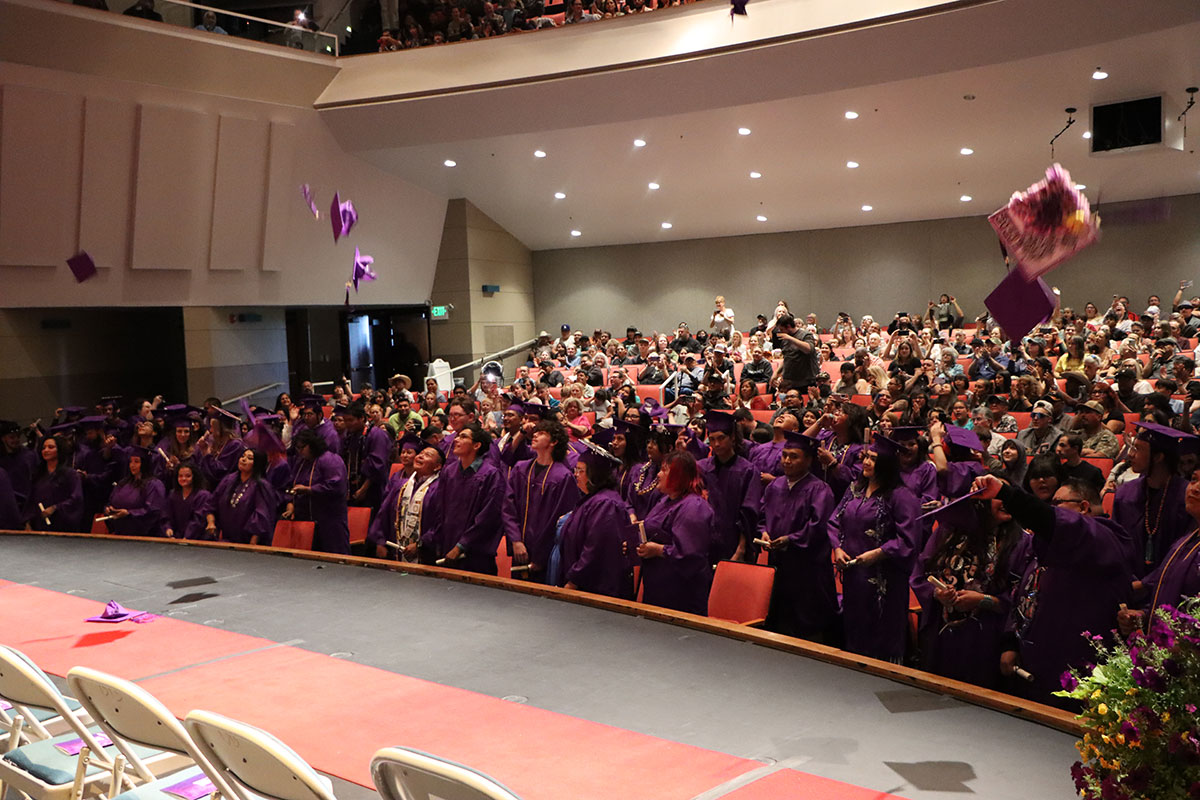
[{"x": 252, "y": 392}]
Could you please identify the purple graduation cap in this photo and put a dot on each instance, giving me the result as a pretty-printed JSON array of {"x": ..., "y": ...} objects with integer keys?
[
  {"x": 794, "y": 440},
  {"x": 653, "y": 409},
  {"x": 884, "y": 446},
  {"x": 342, "y": 217},
  {"x": 1165, "y": 439},
  {"x": 539, "y": 410},
  {"x": 362, "y": 269},
  {"x": 596, "y": 456},
  {"x": 1019, "y": 304},
  {"x": 907, "y": 433},
  {"x": 737, "y": 7},
  {"x": 115, "y": 612},
  {"x": 602, "y": 436},
  {"x": 307, "y": 191},
  {"x": 963, "y": 438},
  {"x": 720, "y": 422},
  {"x": 82, "y": 266},
  {"x": 410, "y": 441},
  {"x": 940, "y": 511}
]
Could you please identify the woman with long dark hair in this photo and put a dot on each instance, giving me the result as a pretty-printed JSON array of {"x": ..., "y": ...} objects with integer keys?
[
  {"x": 679, "y": 532},
  {"x": 319, "y": 486},
  {"x": 242, "y": 507},
  {"x": 138, "y": 501},
  {"x": 219, "y": 450},
  {"x": 629, "y": 446},
  {"x": 178, "y": 444},
  {"x": 643, "y": 485},
  {"x": 963, "y": 615},
  {"x": 56, "y": 498},
  {"x": 1013, "y": 463},
  {"x": 875, "y": 533},
  {"x": 187, "y": 504},
  {"x": 597, "y": 540},
  {"x": 841, "y": 435}
]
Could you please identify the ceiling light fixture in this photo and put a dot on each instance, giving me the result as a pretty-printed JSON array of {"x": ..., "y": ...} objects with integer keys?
[
  {"x": 966, "y": 151},
  {"x": 666, "y": 226},
  {"x": 450, "y": 163},
  {"x": 539, "y": 153},
  {"x": 966, "y": 198},
  {"x": 652, "y": 186},
  {"x": 851, "y": 165},
  {"x": 755, "y": 174},
  {"x": 639, "y": 142},
  {"x": 1099, "y": 74},
  {"x": 851, "y": 115},
  {"x": 577, "y": 233},
  {"x": 743, "y": 131},
  {"x": 560, "y": 196},
  {"x": 868, "y": 208}
]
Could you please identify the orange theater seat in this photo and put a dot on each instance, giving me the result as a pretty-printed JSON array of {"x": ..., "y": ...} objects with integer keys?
[
  {"x": 1105, "y": 465},
  {"x": 293, "y": 534},
  {"x": 741, "y": 593},
  {"x": 503, "y": 559},
  {"x": 863, "y": 400},
  {"x": 99, "y": 527},
  {"x": 359, "y": 520},
  {"x": 395, "y": 468},
  {"x": 762, "y": 416}
]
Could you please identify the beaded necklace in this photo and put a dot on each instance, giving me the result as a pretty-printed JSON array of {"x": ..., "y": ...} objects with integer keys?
[
  {"x": 642, "y": 487},
  {"x": 1150, "y": 532}
]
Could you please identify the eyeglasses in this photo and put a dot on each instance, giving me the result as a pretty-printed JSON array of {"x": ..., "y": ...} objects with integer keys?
[{"x": 1069, "y": 500}]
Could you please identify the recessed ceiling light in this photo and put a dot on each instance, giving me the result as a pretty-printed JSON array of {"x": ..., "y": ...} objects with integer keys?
[
  {"x": 450, "y": 163},
  {"x": 560, "y": 196},
  {"x": 1087, "y": 134},
  {"x": 851, "y": 115},
  {"x": 349, "y": 29},
  {"x": 966, "y": 151},
  {"x": 639, "y": 142},
  {"x": 577, "y": 233},
  {"x": 652, "y": 185},
  {"x": 966, "y": 198},
  {"x": 744, "y": 131},
  {"x": 1080, "y": 186},
  {"x": 851, "y": 165},
  {"x": 868, "y": 208},
  {"x": 761, "y": 218},
  {"x": 666, "y": 226},
  {"x": 539, "y": 153},
  {"x": 755, "y": 174},
  {"x": 1099, "y": 74}
]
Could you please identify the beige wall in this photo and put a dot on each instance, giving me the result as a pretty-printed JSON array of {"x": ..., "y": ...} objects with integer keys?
[
  {"x": 228, "y": 355},
  {"x": 476, "y": 252},
  {"x": 877, "y": 270}
]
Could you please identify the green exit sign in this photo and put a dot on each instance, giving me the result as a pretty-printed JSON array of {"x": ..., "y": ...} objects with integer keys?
[{"x": 439, "y": 312}]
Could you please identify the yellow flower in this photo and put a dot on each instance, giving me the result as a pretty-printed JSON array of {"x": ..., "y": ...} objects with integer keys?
[
  {"x": 1131, "y": 692},
  {"x": 1105, "y": 739},
  {"x": 1096, "y": 695},
  {"x": 1120, "y": 738},
  {"x": 1166, "y": 716},
  {"x": 1103, "y": 710}
]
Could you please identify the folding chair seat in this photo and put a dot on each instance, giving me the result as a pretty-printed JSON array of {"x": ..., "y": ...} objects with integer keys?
[
  {"x": 741, "y": 592},
  {"x": 137, "y": 722},
  {"x": 402, "y": 773},
  {"x": 51, "y": 768},
  {"x": 37, "y": 723},
  {"x": 254, "y": 764},
  {"x": 358, "y": 519}
]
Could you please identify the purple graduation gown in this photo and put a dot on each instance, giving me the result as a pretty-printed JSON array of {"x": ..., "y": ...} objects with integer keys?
[
  {"x": 368, "y": 457},
  {"x": 470, "y": 511},
  {"x": 804, "y": 602},
  {"x": 845, "y": 470},
  {"x": 875, "y": 598},
  {"x": 493, "y": 453},
  {"x": 1075, "y": 582},
  {"x": 10, "y": 512},
  {"x": 735, "y": 494},
  {"x": 643, "y": 489},
  {"x": 253, "y": 514},
  {"x": 1129, "y": 511},
  {"x": 383, "y": 527},
  {"x": 98, "y": 473},
  {"x": 962, "y": 646},
  {"x": 186, "y": 517},
  {"x": 955, "y": 482},
  {"x": 766, "y": 457},
  {"x": 598, "y": 547},
  {"x": 215, "y": 466},
  {"x": 921, "y": 480},
  {"x": 64, "y": 491},
  {"x": 325, "y": 502},
  {"x": 512, "y": 452},
  {"x": 145, "y": 504},
  {"x": 1178, "y": 576},
  {"x": 20, "y": 466},
  {"x": 681, "y": 577},
  {"x": 534, "y": 500}
]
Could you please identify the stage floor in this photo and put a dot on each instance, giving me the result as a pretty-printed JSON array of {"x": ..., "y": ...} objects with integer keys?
[{"x": 740, "y": 701}]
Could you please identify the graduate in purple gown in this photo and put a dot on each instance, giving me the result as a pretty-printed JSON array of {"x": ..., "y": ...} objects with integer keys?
[
  {"x": 734, "y": 488},
  {"x": 55, "y": 500},
  {"x": 312, "y": 417},
  {"x": 409, "y": 506},
  {"x": 962, "y": 625},
  {"x": 875, "y": 533},
  {"x": 145, "y": 437},
  {"x": 472, "y": 492},
  {"x": 766, "y": 457},
  {"x": 917, "y": 472},
  {"x": 242, "y": 507},
  {"x": 513, "y": 441},
  {"x": 539, "y": 491},
  {"x": 957, "y": 454},
  {"x": 1075, "y": 583},
  {"x": 319, "y": 493},
  {"x": 137, "y": 504},
  {"x": 795, "y": 519},
  {"x": 98, "y": 459},
  {"x": 10, "y": 512},
  {"x": 643, "y": 485},
  {"x": 629, "y": 446},
  {"x": 1151, "y": 507},
  {"x": 187, "y": 504},
  {"x": 598, "y": 541},
  {"x": 367, "y": 453},
  {"x": 840, "y": 431},
  {"x": 17, "y": 460},
  {"x": 219, "y": 449},
  {"x": 460, "y": 413},
  {"x": 177, "y": 445},
  {"x": 676, "y": 571}
]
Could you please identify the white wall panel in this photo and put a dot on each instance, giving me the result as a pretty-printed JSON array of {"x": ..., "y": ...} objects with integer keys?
[
  {"x": 283, "y": 191},
  {"x": 177, "y": 152},
  {"x": 40, "y": 135},
  {"x": 106, "y": 194},
  {"x": 239, "y": 199}
]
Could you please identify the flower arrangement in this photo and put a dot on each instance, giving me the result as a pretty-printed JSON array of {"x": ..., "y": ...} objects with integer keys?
[
  {"x": 1141, "y": 732},
  {"x": 1046, "y": 224}
]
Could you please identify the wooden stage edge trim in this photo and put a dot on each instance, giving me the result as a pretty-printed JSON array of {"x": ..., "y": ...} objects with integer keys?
[{"x": 987, "y": 698}]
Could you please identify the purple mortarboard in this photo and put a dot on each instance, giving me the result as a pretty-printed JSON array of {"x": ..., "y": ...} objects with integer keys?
[
  {"x": 342, "y": 217},
  {"x": 1162, "y": 437},
  {"x": 96, "y": 422},
  {"x": 907, "y": 433},
  {"x": 624, "y": 427},
  {"x": 737, "y": 7},
  {"x": 653, "y": 409},
  {"x": 596, "y": 456},
  {"x": 956, "y": 503},
  {"x": 263, "y": 437},
  {"x": 961, "y": 437},
  {"x": 307, "y": 191},
  {"x": 884, "y": 446},
  {"x": 227, "y": 418},
  {"x": 313, "y": 402},
  {"x": 73, "y": 410},
  {"x": 411, "y": 442},
  {"x": 603, "y": 436},
  {"x": 793, "y": 440},
  {"x": 179, "y": 421},
  {"x": 1019, "y": 304},
  {"x": 82, "y": 266},
  {"x": 114, "y": 612},
  {"x": 720, "y": 422},
  {"x": 137, "y": 450},
  {"x": 539, "y": 410},
  {"x": 66, "y": 427},
  {"x": 362, "y": 269},
  {"x": 339, "y": 410},
  {"x": 246, "y": 410}
]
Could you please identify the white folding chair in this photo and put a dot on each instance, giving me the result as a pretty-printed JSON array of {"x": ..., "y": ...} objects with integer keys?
[
  {"x": 40, "y": 769},
  {"x": 138, "y": 723},
  {"x": 402, "y": 773},
  {"x": 253, "y": 763}
]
